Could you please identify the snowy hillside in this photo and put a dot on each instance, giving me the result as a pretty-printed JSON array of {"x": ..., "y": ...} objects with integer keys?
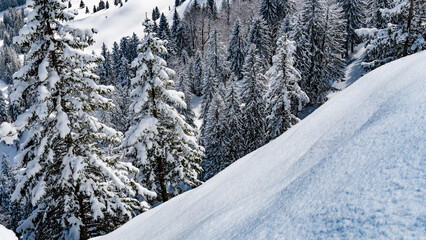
[
  {"x": 354, "y": 169},
  {"x": 117, "y": 22}
]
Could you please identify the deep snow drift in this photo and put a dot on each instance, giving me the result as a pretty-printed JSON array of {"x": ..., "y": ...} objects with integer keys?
[
  {"x": 353, "y": 169},
  {"x": 6, "y": 234}
]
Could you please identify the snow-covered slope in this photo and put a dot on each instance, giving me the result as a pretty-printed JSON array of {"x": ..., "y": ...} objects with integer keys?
[
  {"x": 117, "y": 22},
  {"x": 354, "y": 169},
  {"x": 6, "y": 234}
]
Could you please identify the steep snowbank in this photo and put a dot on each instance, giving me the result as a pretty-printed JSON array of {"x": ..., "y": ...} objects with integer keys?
[
  {"x": 353, "y": 169},
  {"x": 6, "y": 234}
]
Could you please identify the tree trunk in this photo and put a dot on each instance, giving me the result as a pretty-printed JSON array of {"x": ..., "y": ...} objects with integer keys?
[{"x": 410, "y": 17}]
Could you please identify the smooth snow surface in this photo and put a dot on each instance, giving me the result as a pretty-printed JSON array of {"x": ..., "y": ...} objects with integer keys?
[
  {"x": 353, "y": 169},
  {"x": 6, "y": 234}
]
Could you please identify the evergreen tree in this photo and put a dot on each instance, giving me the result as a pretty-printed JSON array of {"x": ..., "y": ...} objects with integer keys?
[
  {"x": 236, "y": 51},
  {"x": 4, "y": 116},
  {"x": 87, "y": 10},
  {"x": 71, "y": 190},
  {"x": 177, "y": 33},
  {"x": 105, "y": 69},
  {"x": 155, "y": 14},
  {"x": 9, "y": 63},
  {"x": 260, "y": 36},
  {"x": 7, "y": 185},
  {"x": 184, "y": 86},
  {"x": 284, "y": 98},
  {"x": 213, "y": 137},
  {"x": 353, "y": 15},
  {"x": 116, "y": 58},
  {"x": 82, "y": 5},
  {"x": 320, "y": 48},
  {"x": 233, "y": 139},
  {"x": 160, "y": 143},
  {"x": 198, "y": 75},
  {"x": 215, "y": 74},
  {"x": 254, "y": 87},
  {"x": 269, "y": 12},
  {"x": 404, "y": 33},
  {"x": 101, "y": 5}
]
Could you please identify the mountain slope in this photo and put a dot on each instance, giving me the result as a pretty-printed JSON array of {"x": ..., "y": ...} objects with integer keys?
[
  {"x": 352, "y": 169},
  {"x": 117, "y": 22}
]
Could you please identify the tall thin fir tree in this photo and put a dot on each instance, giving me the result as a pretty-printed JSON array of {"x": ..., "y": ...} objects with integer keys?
[
  {"x": 284, "y": 98},
  {"x": 198, "y": 75},
  {"x": 253, "y": 90},
  {"x": 7, "y": 185},
  {"x": 233, "y": 136},
  {"x": 160, "y": 143},
  {"x": 71, "y": 190},
  {"x": 354, "y": 17},
  {"x": 184, "y": 86},
  {"x": 4, "y": 108},
  {"x": 213, "y": 137},
  {"x": 260, "y": 36},
  {"x": 236, "y": 51}
]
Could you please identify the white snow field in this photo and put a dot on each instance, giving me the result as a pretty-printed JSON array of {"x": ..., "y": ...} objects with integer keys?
[
  {"x": 353, "y": 169},
  {"x": 6, "y": 234},
  {"x": 117, "y": 22}
]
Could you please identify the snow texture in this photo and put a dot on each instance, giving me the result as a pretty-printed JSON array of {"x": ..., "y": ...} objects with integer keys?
[
  {"x": 353, "y": 169},
  {"x": 6, "y": 234}
]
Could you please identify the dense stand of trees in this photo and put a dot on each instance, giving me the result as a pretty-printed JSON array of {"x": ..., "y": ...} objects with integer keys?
[{"x": 105, "y": 139}]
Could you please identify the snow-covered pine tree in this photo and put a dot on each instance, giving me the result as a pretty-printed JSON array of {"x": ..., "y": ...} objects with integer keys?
[
  {"x": 197, "y": 88},
  {"x": 184, "y": 86},
  {"x": 216, "y": 73},
  {"x": 253, "y": 90},
  {"x": 7, "y": 185},
  {"x": 69, "y": 187},
  {"x": 177, "y": 33},
  {"x": 9, "y": 63},
  {"x": 320, "y": 48},
  {"x": 404, "y": 33},
  {"x": 236, "y": 51},
  {"x": 116, "y": 58},
  {"x": 284, "y": 98},
  {"x": 354, "y": 17},
  {"x": 233, "y": 135},
  {"x": 260, "y": 36},
  {"x": 213, "y": 137},
  {"x": 4, "y": 108},
  {"x": 105, "y": 69},
  {"x": 160, "y": 143},
  {"x": 333, "y": 45},
  {"x": 163, "y": 32}
]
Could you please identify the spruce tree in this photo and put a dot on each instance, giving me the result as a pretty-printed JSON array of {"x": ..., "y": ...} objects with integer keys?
[
  {"x": 354, "y": 16},
  {"x": 160, "y": 143},
  {"x": 184, "y": 86},
  {"x": 7, "y": 185},
  {"x": 233, "y": 139},
  {"x": 236, "y": 51},
  {"x": 260, "y": 36},
  {"x": 198, "y": 75},
  {"x": 177, "y": 33},
  {"x": 213, "y": 137},
  {"x": 4, "y": 109},
  {"x": 9, "y": 63},
  {"x": 284, "y": 98},
  {"x": 254, "y": 87},
  {"x": 69, "y": 188},
  {"x": 403, "y": 33}
]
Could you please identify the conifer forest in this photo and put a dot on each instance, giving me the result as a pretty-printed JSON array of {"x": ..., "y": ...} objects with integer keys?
[{"x": 112, "y": 109}]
